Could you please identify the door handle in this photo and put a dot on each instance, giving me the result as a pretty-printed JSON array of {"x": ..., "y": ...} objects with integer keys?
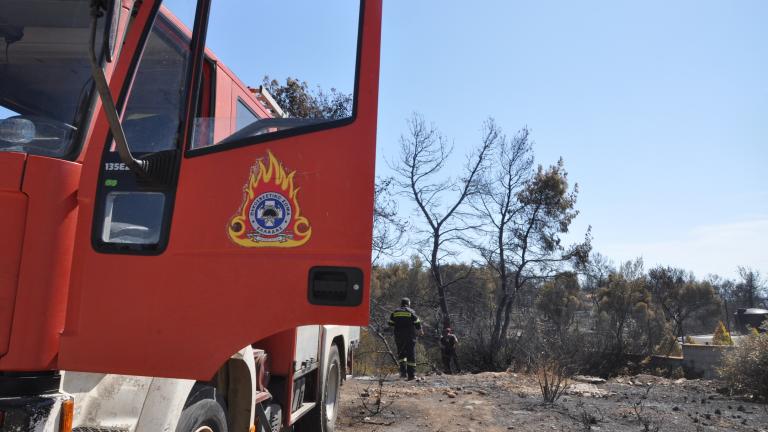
[{"x": 335, "y": 286}]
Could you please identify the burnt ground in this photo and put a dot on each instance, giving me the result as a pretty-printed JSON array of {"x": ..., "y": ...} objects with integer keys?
[{"x": 507, "y": 401}]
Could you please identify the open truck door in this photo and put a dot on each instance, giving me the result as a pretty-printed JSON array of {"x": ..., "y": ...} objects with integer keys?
[{"x": 231, "y": 233}]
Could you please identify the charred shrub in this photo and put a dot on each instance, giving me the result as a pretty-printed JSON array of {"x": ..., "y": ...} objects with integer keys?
[
  {"x": 744, "y": 367},
  {"x": 553, "y": 360}
]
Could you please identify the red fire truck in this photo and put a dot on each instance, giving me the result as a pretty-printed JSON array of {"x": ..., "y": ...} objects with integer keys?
[{"x": 178, "y": 253}]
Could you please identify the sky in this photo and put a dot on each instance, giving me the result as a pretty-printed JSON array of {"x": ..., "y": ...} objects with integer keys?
[{"x": 659, "y": 109}]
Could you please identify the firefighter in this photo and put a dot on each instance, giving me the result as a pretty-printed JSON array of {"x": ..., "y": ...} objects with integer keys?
[
  {"x": 406, "y": 323},
  {"x": 448, "y": 350}
]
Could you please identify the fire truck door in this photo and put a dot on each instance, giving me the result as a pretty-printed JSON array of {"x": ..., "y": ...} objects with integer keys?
[{"x": 262, "y": 231}]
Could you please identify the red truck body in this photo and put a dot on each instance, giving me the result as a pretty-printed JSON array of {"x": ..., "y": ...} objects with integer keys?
[{"x": 184, "y": 309}]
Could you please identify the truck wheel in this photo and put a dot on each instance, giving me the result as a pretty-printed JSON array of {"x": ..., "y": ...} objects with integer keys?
[
  {"x": 205, "y": 415},
  {"x": 322, "y": 418},
  {"x": 329, "y": 401}
]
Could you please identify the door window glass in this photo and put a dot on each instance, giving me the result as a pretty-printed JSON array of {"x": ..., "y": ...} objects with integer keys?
[
  {"x": 153, "y": 114},
  {"x": 295, "y": 60},
  {"x": 133, "y": 217},
  {"x": 134, "y": 213}
]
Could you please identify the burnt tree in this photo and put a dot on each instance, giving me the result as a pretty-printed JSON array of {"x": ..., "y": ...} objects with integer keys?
[
  {"x": 499, "y": 206},
  {"x": 420, "y": 175}
]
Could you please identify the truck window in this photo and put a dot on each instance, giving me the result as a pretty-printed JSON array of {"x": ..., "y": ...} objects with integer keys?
[
  {"x": 45, "y": 85},
  {"x": 300, "y": 76},
  {"x": 244, "y": 115},
  {"x": 132, "y": 219},
  {"x": 155, "y": 104}
]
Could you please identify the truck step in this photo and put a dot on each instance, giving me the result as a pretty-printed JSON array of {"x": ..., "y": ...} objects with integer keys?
[{"x": 303, "y": 409}]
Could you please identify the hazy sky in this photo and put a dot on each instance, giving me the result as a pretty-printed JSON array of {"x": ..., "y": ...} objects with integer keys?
[{"x": 659, "y": 109}]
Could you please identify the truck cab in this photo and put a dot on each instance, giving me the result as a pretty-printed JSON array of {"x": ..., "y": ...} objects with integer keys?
[{"x": 174, "y": 237}]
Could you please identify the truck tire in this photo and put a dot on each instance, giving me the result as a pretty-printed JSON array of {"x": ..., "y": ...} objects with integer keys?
[
  {"x": 206, "y": 415},
  {"x": 323, "y": 417},
  {"x": 329, "y": 400}
]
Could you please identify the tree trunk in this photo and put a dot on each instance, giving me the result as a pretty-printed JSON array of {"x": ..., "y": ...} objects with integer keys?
[
  {"x": 620, "y": 337},
  {"x": 510, "y": 300},
  {"x": 650, "y": 337},
  {"x": 503, "y": 286},
  {"x": 438, "y": 279},
  {"x": 507, "y": 315},
  {"x": 496, "y": 335}
]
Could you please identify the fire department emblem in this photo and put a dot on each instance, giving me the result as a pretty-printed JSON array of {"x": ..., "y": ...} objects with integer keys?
[{"x": 270, "y": 215}]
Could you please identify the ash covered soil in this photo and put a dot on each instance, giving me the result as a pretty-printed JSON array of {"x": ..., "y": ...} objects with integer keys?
[{"x": 508, "y": 401}]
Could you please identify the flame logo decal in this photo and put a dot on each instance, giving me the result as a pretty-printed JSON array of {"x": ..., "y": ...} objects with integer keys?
[{"x": 270, "y": 215}]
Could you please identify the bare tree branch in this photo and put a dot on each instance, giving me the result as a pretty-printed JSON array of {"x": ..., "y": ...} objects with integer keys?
[{"x": 423, "y": 156}]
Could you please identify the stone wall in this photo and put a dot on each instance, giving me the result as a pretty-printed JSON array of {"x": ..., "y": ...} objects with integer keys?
[{"x": 703, "y": 360}]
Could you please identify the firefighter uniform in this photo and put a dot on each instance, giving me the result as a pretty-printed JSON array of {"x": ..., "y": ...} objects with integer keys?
[{"x": 406, "y": 323}]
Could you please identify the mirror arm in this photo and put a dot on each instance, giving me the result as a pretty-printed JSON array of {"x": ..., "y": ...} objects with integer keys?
[{"x": 139, "y": 167}]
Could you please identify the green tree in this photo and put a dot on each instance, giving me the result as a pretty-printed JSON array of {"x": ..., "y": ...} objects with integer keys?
[
  {"x": 558, "y": 300},
  {"x": 534, "y": 246},
  {"x": 298, "y": 100},
  {"x": 726, "y": 291},
  {"x": 681, "y": 297},
  {"x": 751, "y": 289},
  {"x": 623, "y": 302}
]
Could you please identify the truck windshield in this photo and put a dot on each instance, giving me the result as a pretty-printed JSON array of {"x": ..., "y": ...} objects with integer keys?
[{"x": 45, "y": 83}]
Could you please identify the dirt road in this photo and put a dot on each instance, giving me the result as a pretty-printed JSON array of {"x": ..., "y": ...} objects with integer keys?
[{"x": 505, "y": 401}]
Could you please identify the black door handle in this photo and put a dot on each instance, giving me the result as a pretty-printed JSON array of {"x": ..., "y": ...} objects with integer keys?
[{"x": 335, "y": 286}]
